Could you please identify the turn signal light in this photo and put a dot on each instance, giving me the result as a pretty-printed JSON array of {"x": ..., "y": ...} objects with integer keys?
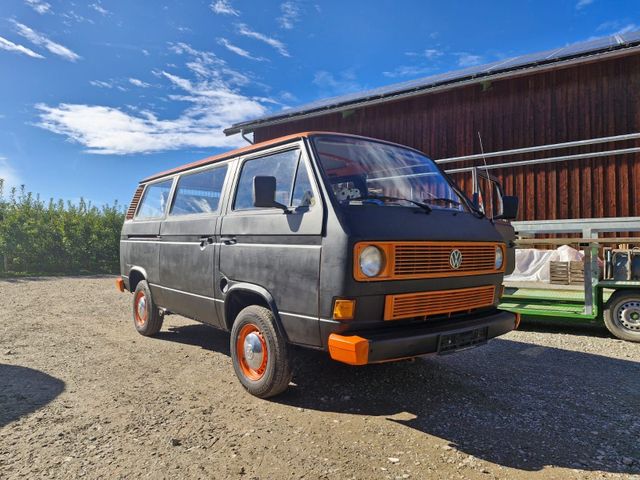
[{"x": 344, "y": 309}]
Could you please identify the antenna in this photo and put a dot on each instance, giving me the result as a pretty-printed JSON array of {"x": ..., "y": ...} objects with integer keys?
[{"x": 486, "y": 171}]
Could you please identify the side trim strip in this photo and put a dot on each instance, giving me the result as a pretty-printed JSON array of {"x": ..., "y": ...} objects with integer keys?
[
  {"x": 298, "y": 315},
  {"x": 186, "y": 293},
  {"x": 160, "y": 242}
]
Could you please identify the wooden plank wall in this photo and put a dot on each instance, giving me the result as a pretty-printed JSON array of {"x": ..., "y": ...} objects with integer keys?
[{"x": 591, "y": 100}]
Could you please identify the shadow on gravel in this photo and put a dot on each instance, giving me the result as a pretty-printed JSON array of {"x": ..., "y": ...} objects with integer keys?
[
  {"x": 509, "y": 403},
  {"x": 24, "y": 390}
]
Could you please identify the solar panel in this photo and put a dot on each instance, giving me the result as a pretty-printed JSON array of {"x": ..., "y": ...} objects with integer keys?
[{"x": 529, "y": 60}]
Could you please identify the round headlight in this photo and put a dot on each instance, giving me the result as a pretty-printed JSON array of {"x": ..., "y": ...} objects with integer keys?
[
  {"x": 499, "y": 258},
  {"x": 371, "y": 261}
]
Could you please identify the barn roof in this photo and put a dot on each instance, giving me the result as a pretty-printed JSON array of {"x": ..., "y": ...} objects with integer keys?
[{"x": 590, "y": 50}]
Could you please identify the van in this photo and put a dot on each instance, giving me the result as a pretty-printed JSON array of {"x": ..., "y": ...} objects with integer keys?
[{"x": 358, "y": 247}]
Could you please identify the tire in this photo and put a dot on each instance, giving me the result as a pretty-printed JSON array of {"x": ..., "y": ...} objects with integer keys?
[
  {"x": 622, "y": 315},
  {"x": 147, "y": 317},
  {"x": 259, "y": 353}
]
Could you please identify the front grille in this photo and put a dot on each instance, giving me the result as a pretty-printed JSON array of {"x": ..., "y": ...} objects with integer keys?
[
  {"x": 425, "y": 304},
  {"x": 424, "y": 260}
]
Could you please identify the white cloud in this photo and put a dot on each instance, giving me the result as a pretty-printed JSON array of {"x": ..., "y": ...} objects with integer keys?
[
  {"x": 617, "y": 27},
  {"x": 290, "y": 14},
  {"x": 223, "y": 7},
  {"x": 139, "y": 83},
  {"x": 213, "y": 103},
  {"x": 344, "y": 82},
  {"x": 244, "y": 30},
  {"x": 145, "y": 52},
  {"x": 14, "y": 47},
  {"x": 237, "y": 50},
  {"x": 40, "y": 40},
  {"x": 9, "y": 175},
  {"x": 407, "y": 71},
  {"x": 101, "y": 84},
  {"x": 97, "y": 6},
  {"x": 39, "y": 6},
  {"x": 466, "y": 59},
  {"x": 583, "y": 3}
]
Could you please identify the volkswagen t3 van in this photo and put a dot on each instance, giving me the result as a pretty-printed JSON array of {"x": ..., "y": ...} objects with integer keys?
[{"x": 358, "y": 247}]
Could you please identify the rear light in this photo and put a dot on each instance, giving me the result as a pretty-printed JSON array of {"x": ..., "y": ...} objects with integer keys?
[{"x": 344, "y": 309}]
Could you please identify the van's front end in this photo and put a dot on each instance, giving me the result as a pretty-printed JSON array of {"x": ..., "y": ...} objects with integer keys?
[{"x": 410, "y": 266}]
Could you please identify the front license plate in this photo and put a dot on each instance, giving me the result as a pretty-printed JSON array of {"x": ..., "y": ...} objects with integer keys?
[{"x": 454, "y": 342}]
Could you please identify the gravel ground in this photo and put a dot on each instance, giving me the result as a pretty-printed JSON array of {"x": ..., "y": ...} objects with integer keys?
[{"x": 83, "y": 395}]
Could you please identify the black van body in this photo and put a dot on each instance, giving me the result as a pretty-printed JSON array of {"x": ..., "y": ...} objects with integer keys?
[{"x": 296, "y": 265}]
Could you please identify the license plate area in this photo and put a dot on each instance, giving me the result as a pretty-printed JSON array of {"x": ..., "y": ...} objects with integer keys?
[{"x": 454, "y": 342}]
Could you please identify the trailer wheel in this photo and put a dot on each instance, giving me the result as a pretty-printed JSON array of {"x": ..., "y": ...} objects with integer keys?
[
  {"x": 259, "y": 353},
  {"x": 147, "y": 317},
  {"x": 622, "y": 315}
]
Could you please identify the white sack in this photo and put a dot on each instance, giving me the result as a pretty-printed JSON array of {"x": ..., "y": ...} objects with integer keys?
[{"x": 532, "y": 265}]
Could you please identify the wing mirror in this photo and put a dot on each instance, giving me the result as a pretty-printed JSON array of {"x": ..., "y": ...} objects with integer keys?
[
  {"x": 264, "y": 193},
  {"x": 510, "y": 206}
]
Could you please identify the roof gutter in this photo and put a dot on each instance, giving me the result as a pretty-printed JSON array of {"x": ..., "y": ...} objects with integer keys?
[{"x": 518, "y": 72}]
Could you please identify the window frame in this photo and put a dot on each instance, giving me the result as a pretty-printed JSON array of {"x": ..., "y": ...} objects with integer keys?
[
  {"x": 195, "y": 171},
  {"x": 144, "y": 193},
  {"x": 303, "y": 157}
]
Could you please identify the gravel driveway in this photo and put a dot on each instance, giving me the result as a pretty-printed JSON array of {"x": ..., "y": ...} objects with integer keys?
[{"x": 83, "y": 395}]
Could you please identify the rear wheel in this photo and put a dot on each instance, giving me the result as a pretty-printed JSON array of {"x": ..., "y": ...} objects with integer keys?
[
  {"x": 259, "y": 353},
  {"x": 622, "y": 315},
  {"x": 147, "y": 317}
]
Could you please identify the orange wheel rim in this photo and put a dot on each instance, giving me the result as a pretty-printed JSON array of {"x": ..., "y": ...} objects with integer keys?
[
  {"x": 140, "y": 308},
  {"x": 252, "y": 353}
]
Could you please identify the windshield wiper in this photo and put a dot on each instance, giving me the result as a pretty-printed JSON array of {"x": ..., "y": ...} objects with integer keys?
[
  {"x": 442, "y": 199},
  {"x": 384, "y": 198}
]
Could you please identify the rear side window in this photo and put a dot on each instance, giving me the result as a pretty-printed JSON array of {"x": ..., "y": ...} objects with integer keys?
[
  {"x": 293, "y": 187},
  {"x": 199, "y": 192},
  {"x": 154, "y": 201}
]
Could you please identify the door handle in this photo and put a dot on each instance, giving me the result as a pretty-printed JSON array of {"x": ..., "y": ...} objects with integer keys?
[
  {"x": 229, "y": 240},
  {"x": 204, "y": 241}
]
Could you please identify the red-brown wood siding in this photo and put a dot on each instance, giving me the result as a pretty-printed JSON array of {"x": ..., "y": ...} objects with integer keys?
[{"x": 586, "y": 101}]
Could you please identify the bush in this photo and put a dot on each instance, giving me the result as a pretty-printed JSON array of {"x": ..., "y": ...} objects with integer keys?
[{"x": 54, "y": 237}]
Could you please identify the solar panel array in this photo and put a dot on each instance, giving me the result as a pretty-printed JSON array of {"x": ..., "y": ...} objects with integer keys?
[{"x": 581, "y": 49}]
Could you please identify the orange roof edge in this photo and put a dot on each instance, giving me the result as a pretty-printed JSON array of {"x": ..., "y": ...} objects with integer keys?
[{"x": 252, "y": 148}]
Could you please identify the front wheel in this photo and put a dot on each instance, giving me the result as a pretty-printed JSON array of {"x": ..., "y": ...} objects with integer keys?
[
  {"x": 622, "y": 315},
  {"x": 147, "y": 317},
  {"x": 259, "y": 353}
]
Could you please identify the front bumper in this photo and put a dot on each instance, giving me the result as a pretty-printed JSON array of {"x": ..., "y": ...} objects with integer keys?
[{"x": 360, "y": 348}]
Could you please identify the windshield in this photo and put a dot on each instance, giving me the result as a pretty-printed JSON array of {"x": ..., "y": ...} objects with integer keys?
[{"x": 364, "y": 172}]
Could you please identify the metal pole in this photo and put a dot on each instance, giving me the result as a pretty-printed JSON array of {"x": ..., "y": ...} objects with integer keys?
[
  {"x": 564, "y": 158},
  {"x": 541, "y": 148}
]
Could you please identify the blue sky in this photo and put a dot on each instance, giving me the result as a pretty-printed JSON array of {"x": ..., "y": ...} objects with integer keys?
[{"x": 96, "y": 95}]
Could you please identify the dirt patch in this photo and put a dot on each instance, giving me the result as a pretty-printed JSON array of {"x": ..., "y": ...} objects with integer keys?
[{"x": 82, "y": 394}]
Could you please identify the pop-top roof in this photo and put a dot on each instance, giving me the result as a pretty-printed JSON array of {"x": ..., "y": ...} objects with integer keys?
[{"x": 512, "y": 66}]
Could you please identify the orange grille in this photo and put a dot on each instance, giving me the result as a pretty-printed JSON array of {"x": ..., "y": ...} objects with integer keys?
[
  {"x": 134, "y": 202},
  {"x": 412, "y": 260},
  {"x": 408, "y": 305}
]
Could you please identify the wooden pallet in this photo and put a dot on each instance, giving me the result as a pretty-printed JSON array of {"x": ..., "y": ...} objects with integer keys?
[{"x": 567, "y": 273}]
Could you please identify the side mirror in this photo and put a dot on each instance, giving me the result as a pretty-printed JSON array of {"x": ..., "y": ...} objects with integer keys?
[
  {"x": 264, "y": 193},
  {"x": 509, "y": 208}
]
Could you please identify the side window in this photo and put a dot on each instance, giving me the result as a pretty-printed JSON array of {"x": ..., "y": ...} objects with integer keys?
[
  {"x": 280, "y": 165},
  {"x": 199, "y": 192},
  {"x": 302, "y": 191},
  {"x": 154, "y": 200}
]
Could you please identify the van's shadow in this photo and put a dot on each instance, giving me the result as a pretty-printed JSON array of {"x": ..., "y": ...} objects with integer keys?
[
  {"x": 24, "y": 390},
  {"x": 510, "y": 403}
]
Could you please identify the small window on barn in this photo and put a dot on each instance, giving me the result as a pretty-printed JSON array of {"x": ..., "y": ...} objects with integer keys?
[
  {"x": 154, "y": 201},
  {"x": 199, "y": 192}
]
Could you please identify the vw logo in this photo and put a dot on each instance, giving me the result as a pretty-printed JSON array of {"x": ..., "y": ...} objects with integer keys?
[{"x": 455, "y": 259}]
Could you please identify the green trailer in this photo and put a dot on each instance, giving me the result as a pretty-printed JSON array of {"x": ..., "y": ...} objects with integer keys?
[{"x": 614, "y": 303}]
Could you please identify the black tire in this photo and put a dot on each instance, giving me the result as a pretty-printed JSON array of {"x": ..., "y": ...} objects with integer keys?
[
  {"x": 262, "y": 376},
  {"x": 147, "y": 317},
  {"x": 622, "y": 315}
]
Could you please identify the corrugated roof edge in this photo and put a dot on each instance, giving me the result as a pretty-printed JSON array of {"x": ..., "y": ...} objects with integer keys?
[{"x": 605, "y": 45}]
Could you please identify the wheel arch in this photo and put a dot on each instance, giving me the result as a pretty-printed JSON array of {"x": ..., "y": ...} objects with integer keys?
[
  {"x": 242, "y": 295},
  {"x": 136, "y": 274}
]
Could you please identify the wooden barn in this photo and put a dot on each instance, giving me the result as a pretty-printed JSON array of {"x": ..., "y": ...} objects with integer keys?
[{"x": 585, "y": 97}]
